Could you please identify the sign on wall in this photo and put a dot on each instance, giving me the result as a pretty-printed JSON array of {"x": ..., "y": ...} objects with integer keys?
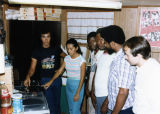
[{"x": 150, "y": 25}]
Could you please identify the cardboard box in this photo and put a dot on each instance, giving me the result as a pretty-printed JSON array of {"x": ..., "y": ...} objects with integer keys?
[
  {"x": 27, "y": 11},
  {"x": 48, "y": 11},
  {"x": 40, "y": 12}
]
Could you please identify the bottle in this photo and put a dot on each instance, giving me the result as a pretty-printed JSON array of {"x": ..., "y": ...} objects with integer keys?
[
  {"x": 6, "y": 110},
  {"x": 4, "y": 95}
]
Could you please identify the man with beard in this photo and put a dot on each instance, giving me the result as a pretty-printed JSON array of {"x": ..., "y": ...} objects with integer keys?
[
  {"x": 121, "y": 79},
  {"x": 99, "y": 89}
]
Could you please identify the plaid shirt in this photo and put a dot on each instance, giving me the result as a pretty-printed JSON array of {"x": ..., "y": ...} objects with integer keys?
[{"x": 122, "y": 75}]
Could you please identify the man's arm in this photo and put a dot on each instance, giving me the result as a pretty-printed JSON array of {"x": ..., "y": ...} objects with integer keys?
[
  {"x": 93, "y": 97},
  {"x": 55, "y": 76},
  {"x": 63, "y": 54},
  {"x": 31, "y": 72},
  {"x": 104, "y": 107},
  {"x": 121, "y": 99}
]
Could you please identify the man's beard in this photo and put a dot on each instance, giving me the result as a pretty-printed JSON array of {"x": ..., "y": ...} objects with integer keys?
[{"x": 110, "y": 51}]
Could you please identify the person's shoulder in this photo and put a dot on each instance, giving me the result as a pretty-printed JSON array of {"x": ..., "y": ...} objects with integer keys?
[
  {"x": 57, "y": 48},
  {"x": 37, "y": 50},
  {"x": 154, "y": 63},
  {"x": 100, "y": 52},
  {"x": 82, "y": 58},
  {"x": 36, "y": 53},
  {"x": 67, "y": 57}
]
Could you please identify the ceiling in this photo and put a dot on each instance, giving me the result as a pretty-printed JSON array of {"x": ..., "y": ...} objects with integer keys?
[
  {"x": 128, "y": 2},
  {"x": 140, "y": 2}
]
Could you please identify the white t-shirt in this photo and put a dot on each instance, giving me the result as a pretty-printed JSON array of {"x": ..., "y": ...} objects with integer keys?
[
  {"x": 101, "y": 78},
  {"x": 147, "y": 88},
  {"x": 94, "y": 59}
]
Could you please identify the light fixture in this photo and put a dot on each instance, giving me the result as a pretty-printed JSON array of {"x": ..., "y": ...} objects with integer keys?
[{"x": 106, "y": 4}]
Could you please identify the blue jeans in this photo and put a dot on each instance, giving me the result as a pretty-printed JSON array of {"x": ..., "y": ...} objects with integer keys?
[
  {"x": 71, "y": 89},
  {"x": 53, "y": 94},
  {"x": 126, "y": 111},
  {"x": 99, "y": 101}
]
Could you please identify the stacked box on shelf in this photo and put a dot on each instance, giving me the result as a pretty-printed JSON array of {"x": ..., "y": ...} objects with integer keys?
[
  {"x": 27, "y": 13},
  {"x": 39, "y": 13},
  {"x": 49, "y": 14},
  {"x": 56, "y": 13},
  {"x": 8, "y": 78}
]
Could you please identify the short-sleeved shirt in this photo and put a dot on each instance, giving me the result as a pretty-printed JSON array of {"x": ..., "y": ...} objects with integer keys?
[
  {"x": 73, "y": 67},
  {"x": 147, "y": 88},
  {"x": 122, "y": 75},
  {"x": 94, "y": 58},
  {"x": 48, "y": 59},
  {"x": 101, "y": 77}
]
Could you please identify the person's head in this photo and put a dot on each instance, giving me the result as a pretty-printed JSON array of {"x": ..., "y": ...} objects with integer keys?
[
  {"x": 137, "y": 49},
  {"x": 73, "y": 47},
  {"x": 46, "y": 38},
  {"x": 91, "y": 40},
  {"x": 99, "y": 40},
  {"x": 102, "y": 42},
  {"x": 114, "y": 35}
]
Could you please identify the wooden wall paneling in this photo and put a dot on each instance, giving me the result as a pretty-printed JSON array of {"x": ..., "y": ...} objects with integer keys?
[
  {"x": 138, "y": 20},
  {"x": 156, "y": 55},
  {"x": 6, "y": 27},
  {"x": 158, "y": 59},
  {"x": 1, "y": 10},
  {"x": 64, "y": 35},
  {"x": 127, "y": 19}
]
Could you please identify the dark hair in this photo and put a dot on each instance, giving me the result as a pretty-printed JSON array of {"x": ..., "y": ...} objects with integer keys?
[
  {"x": 113, "y": 33},
  {"x": 44, "y": 32},
  {"x": 75, "y": 44},
  {"x": 139, "y": 45},
  {"x": 52, "y": 44},
  {"x": 99, "y": 30},
  {"x": 90, "y": 35}
]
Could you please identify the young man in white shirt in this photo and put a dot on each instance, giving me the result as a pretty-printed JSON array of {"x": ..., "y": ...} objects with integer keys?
[
  {"x": 147, "y": 86},
  {"x": 102, "y": 71},
  {"x": 95, "y": 53}
]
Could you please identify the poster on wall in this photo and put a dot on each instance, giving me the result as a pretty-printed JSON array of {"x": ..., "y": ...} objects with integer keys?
[{"x": 150, "y": 25}]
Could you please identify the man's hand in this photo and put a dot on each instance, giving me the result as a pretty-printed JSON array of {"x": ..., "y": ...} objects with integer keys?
[
  {"x": 87, "y": 92},
  {"x": 76, "y": 97},
  {"x": 47, "y": 85},
  {"x": 93, "y": 98},
  {"x": 104, "y": 108},
  {"x": 27, "y": 82},
  {"x": 114, "y": 112}
]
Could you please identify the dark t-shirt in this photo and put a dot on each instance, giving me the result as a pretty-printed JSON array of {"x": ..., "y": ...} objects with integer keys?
[{"x": 48, "y": 59}]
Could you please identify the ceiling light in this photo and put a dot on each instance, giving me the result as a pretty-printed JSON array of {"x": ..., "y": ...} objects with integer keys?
[{"x": 106, "y": 4}]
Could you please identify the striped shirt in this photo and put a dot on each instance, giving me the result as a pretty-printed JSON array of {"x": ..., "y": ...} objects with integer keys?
[
  {"x": 121, "y": 75},
  {"x": 73, "y": 67}
]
